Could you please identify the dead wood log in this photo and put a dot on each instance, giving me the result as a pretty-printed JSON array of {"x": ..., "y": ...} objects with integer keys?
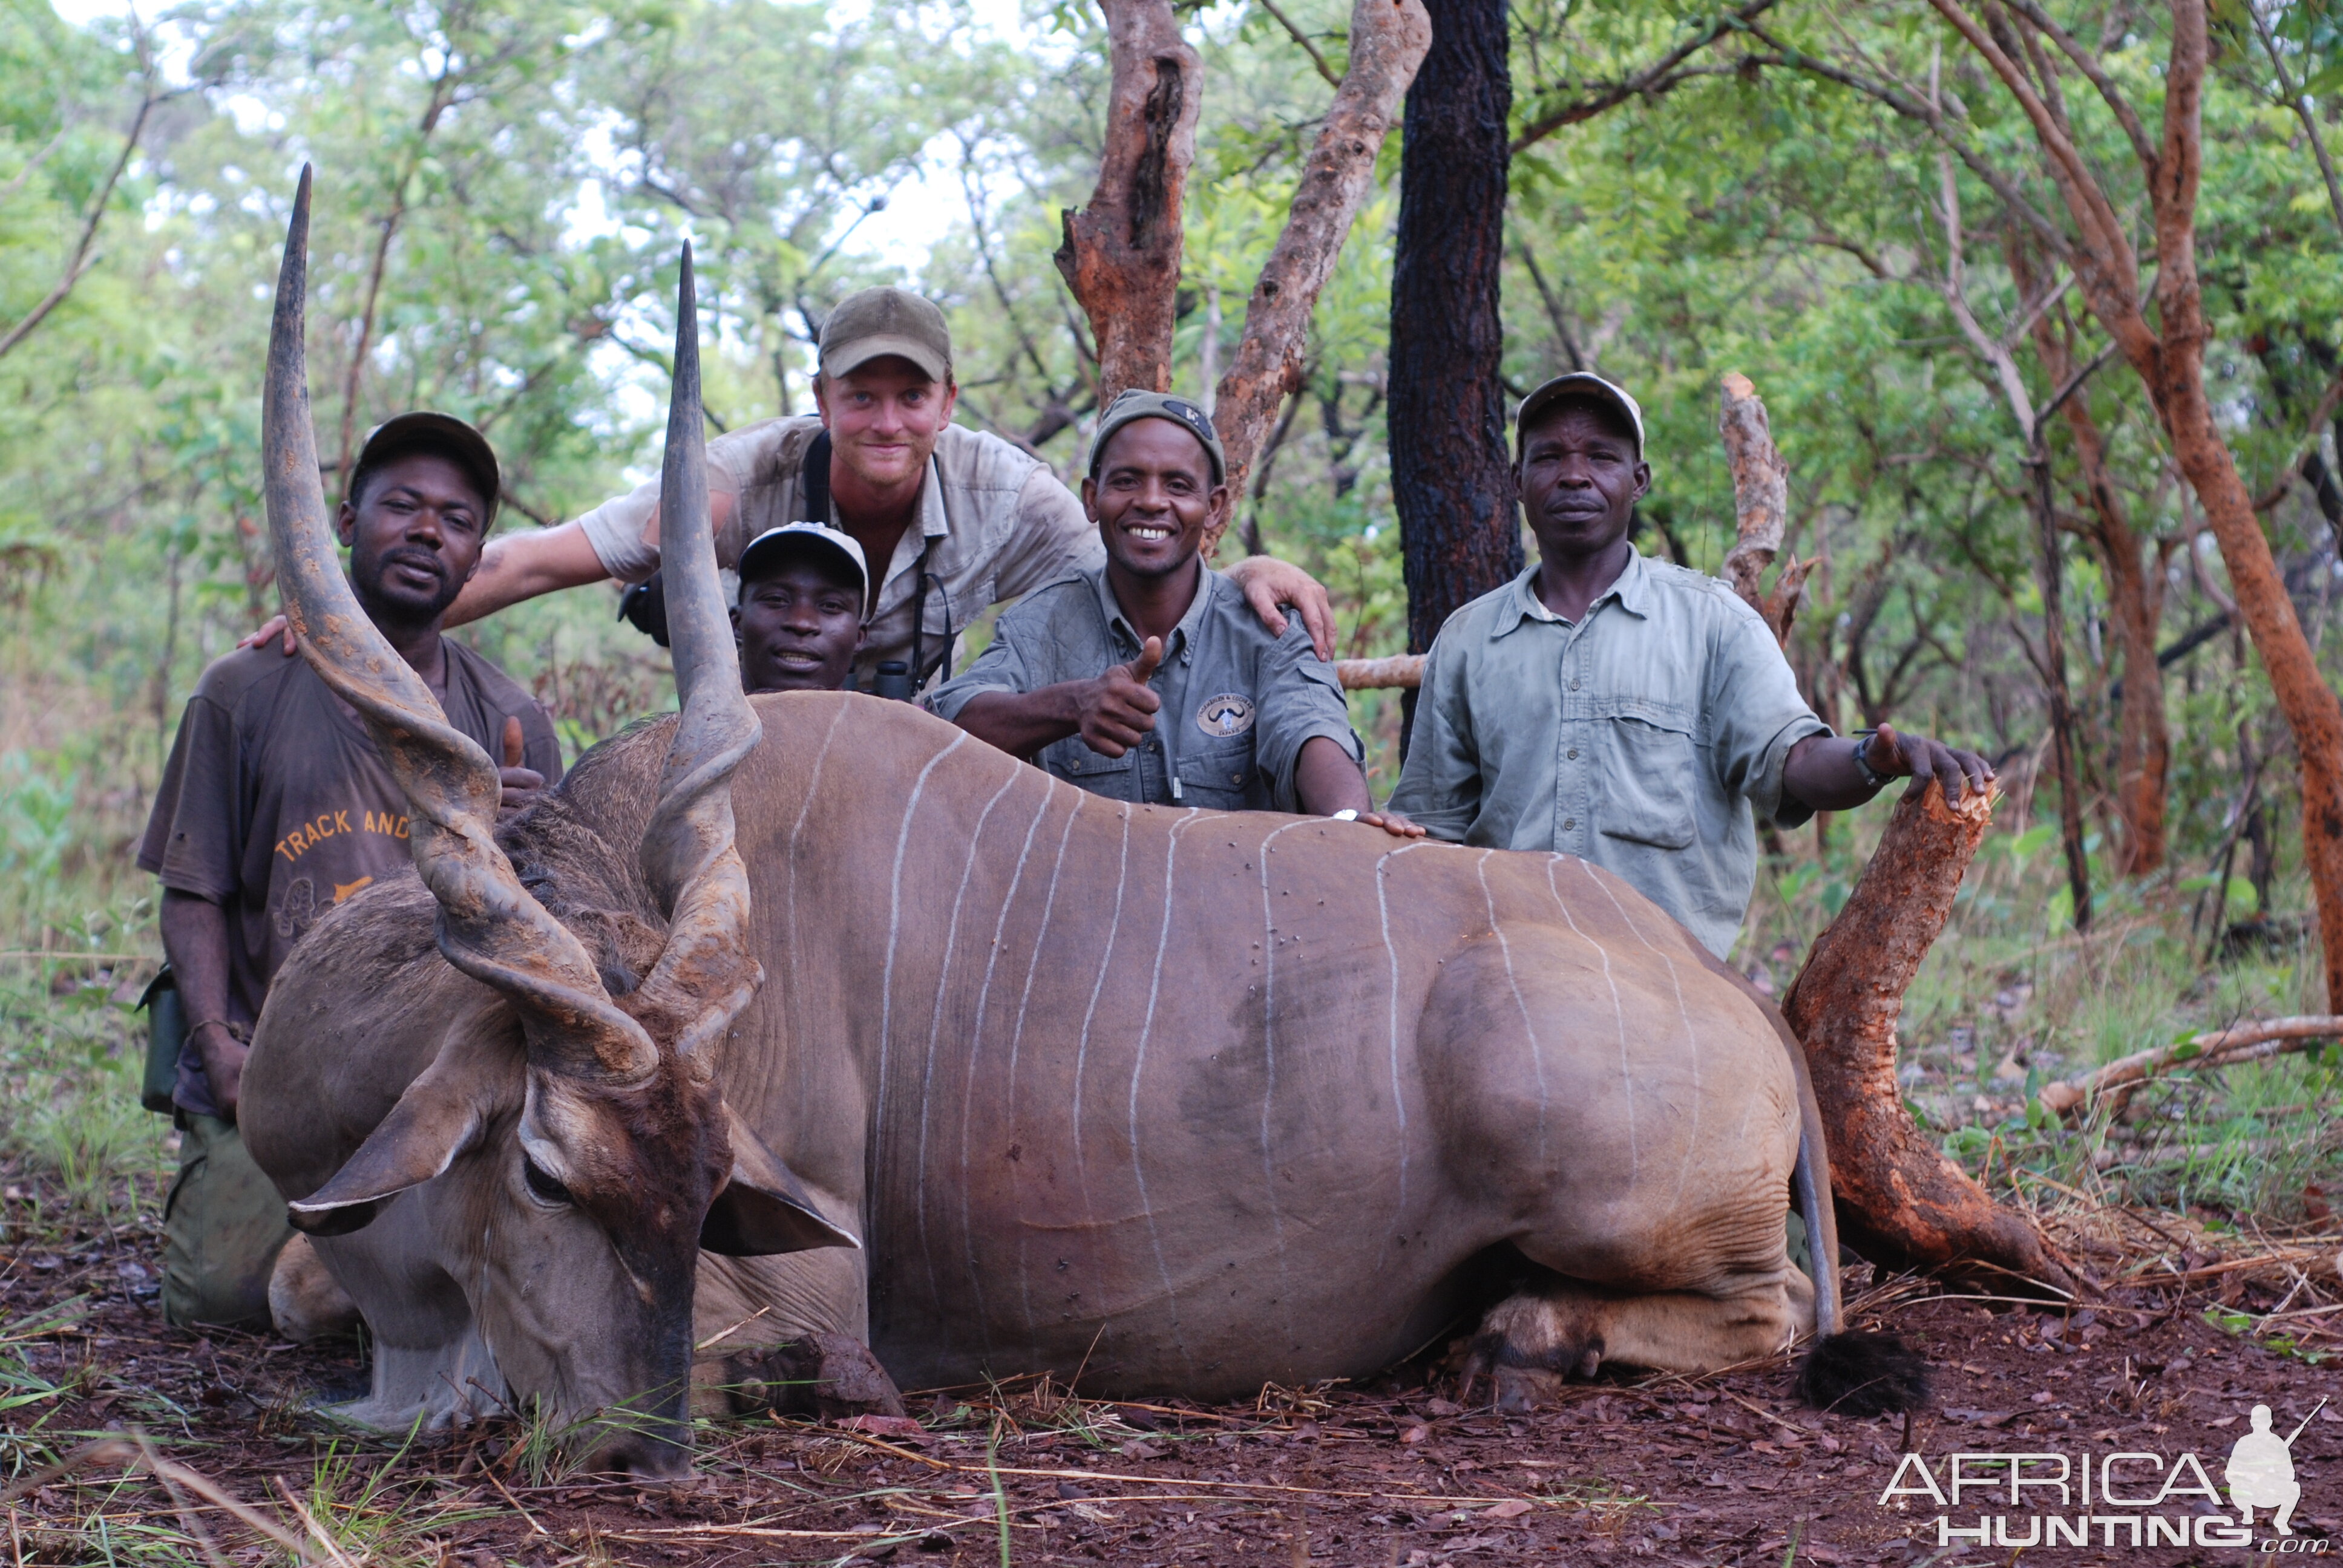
[
  {"x": 1404, "y": 670},
  {"x": 1761, "y": 507},
  {"x": 1121, "y": 252},
  {"x": 2115, "y": 1083},
  {"x": 1900, "y": 1201},
  {"x": 1388, "y": 39}
]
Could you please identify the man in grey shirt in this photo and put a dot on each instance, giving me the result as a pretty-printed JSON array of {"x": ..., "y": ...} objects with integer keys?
[
  {"x": 1630, "y": 712},
  {"x": 1078, "y": 673}
]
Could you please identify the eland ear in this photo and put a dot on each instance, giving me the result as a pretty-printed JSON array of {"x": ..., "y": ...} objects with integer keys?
[
  {"x": 764, "y": 1208},
  {"x": 435, "y": 1121}
]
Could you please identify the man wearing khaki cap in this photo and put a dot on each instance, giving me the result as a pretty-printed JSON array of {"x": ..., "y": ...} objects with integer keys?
[{"x": 951, "y": 520}]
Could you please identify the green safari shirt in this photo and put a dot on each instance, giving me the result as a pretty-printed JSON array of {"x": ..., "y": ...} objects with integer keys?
[{"x": 1645, "y": 737}]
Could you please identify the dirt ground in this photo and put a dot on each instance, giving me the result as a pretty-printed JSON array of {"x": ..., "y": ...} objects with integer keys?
[{"x": 1721, "y": 1470}]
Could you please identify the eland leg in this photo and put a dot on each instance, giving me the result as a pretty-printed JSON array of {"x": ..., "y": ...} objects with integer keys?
[
  {"x": 1631, "y": 1124},
  {"x": 1534, "y": 1341}
]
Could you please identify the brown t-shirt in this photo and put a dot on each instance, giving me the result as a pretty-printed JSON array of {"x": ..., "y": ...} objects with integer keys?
[{"x": 276, "y": 806}]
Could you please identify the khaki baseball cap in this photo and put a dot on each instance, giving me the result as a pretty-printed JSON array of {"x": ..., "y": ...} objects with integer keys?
[
  {"x": 1579, "y": 386},
  {"x": 769, "y": 549},
  {"x": 878, "y": 322},
  {"x": 1132, "y": 405}
]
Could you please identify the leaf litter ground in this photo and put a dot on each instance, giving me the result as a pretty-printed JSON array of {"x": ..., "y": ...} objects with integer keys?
[{"x": 1723, "y": 1470}]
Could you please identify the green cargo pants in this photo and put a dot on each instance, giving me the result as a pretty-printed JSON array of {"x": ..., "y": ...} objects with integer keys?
[{"x": 223, "y": 1226}]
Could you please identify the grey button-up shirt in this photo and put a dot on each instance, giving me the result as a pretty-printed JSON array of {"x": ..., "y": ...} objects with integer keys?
[
  {"x": 1645, "y": 737},
  {"x": 1238, "y": 703}
]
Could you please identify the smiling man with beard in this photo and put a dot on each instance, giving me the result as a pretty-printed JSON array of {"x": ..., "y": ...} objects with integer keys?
[
  {"x": 275, "y": 807},
  {"x": 1078, "y": 672}
]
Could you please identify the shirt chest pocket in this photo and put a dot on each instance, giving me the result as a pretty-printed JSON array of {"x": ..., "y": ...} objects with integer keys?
[
  {"x": 1647, "y": 791},
  {"x": 1073, "y": 760},
  {"x": 1216, "y": 773}
]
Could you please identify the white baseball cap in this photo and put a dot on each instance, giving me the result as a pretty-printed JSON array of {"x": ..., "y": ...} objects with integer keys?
[{"x": 769, "y": 548}]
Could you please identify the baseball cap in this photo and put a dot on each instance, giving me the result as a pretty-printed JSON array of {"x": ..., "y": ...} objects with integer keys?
[
  {"x": 765, "y": 553},
  {"x": 1132, "y": 405},
  {"x": 878, "y": 322},
  {"x": 1579, "y": 385},
  {"x": 442, "y": 435}
]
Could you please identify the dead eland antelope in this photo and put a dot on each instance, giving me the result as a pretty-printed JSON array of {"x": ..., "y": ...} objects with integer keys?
[{"x": 1189, "y": 1100}]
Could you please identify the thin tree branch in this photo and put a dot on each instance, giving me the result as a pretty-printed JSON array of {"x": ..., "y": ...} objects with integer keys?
[
  {"x": 17, "y": 185},
  {"x": 1657, "y": 77},
  {"x": 1334, "y": 79},
  {"x": 2301, "y": 108},
  {"x": 81, "y": 260},
  {"x": 2094, "y": 73}
]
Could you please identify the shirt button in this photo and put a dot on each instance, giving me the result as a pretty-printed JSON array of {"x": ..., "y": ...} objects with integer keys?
[
  {"x": 1572, "y": 754},
  {"x": 1568, "y": 823},
  {"x": 1574, "y": 683}
]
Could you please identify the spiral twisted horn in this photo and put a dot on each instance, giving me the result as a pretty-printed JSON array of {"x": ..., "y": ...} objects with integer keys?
[
  {"x": 489, "y": 926},
  {"x": 707, "y": 973}
]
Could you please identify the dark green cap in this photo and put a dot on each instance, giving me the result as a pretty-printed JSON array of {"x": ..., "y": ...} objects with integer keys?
[{"x": 1132, "y": 405}]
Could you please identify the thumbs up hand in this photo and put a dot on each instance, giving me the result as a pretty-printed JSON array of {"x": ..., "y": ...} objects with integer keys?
[
  {"x": 1118, "y": 709},
  {"x": 522, "y": 786}
]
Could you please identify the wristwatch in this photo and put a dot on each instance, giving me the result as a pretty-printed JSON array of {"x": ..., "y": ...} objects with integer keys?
[{"x": 1873, "y": 778}]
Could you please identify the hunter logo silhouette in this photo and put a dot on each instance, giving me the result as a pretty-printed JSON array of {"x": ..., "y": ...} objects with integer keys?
[{"x": 2260, "y": 1472}]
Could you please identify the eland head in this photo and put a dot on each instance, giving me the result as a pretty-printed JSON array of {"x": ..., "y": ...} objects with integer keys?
[{"x": 574, "y": 1137}]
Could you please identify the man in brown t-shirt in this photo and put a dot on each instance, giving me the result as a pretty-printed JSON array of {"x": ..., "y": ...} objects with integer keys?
[{"x": 275, "y": 807}]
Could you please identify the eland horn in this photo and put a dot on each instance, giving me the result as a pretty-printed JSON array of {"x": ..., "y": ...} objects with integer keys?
[
  {"x": 707, "y": 973},
  {"x": 490, "y": 925}
]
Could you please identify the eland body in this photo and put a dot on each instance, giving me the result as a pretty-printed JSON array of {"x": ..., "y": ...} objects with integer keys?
[{"x": 1185, "y": 1101}]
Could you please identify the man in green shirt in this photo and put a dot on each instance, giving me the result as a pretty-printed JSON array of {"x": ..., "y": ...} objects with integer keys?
[{"x": 1625, "y": 711}]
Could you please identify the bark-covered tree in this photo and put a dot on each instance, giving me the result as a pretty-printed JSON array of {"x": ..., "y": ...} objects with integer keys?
[{"x": 1452, "y": 477}]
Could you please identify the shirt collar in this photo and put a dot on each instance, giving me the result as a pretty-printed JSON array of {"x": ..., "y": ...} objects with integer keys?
[
  {"x": 1183, "y": 635},
  {"x": 934, "y": 524},
  {"x": 1632, "y": 589}
]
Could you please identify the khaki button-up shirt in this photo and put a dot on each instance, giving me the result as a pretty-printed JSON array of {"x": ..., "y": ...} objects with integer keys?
[
  {"x": 1239, "y": 704},
  {"x": 1645, "y": 737},
  {"x": 994, "y": 523}
]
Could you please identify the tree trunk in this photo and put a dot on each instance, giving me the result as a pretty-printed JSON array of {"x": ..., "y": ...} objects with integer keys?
[
  {"x": 2143, "y": 742},
  {"x": 1121, "y": 252},
  {"x": 2051, "y": 565},
  {"x": 1900, "y": 1202},
  {"x": 1452, "y": 477},
  {"x": 1388, "y": 40}
]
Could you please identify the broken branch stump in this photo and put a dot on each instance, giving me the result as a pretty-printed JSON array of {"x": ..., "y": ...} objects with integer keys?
[
  {"x": 1900, "y": 1201},
  {"x": 1761, "y": 508}
]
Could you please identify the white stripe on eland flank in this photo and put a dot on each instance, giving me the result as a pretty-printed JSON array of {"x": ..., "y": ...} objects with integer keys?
[
  {"x": 1082, "y": 1046},
  {"x": 1683, "y": 1015},
  {"x": 975, "y": 1051},
  {"x": 793, "y": 994},
  {"x": 1390, "y": 951},
  {"x": 1017, "y": 1035},
  {"x": 936, "y": 1024},
  {"x": 1269, "y": 1074},
  {"x": 1529, "y": 1025},
  {"x": 1138, "y": 1065},
  {"x": 886, "y": 971},
  {"x": 1618, "y": 1010}
]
